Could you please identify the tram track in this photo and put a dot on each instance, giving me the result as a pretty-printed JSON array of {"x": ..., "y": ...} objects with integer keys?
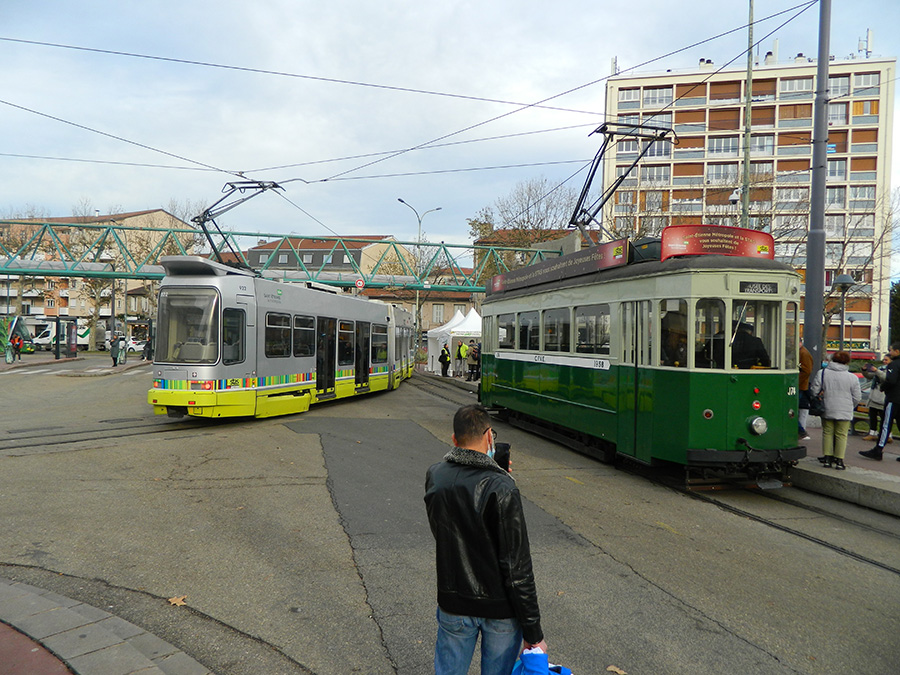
[
  {"x": 450, "y": 392},
  {"x": 16, "y": 442}
]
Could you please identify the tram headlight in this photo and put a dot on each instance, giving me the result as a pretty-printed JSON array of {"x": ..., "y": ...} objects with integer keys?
[{"x": 758, "y": 425}]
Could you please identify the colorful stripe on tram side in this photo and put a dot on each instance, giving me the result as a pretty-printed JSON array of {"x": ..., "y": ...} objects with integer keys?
[{"x": 259, "y": 396}]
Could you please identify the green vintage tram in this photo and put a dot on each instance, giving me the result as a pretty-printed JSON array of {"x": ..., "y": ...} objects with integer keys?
[{"x": 689, "y": 360}]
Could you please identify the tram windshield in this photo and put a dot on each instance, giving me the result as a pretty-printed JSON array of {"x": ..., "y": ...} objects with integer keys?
[
  {"x": 188, "y": 330},
  {"x": 749, "y": 339}
]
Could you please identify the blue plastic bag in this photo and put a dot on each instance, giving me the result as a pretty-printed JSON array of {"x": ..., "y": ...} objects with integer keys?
[{"x": 535, "y": 662}]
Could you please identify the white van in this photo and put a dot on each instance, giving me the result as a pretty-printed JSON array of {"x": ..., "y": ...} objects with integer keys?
[{"x": 47, "y": 339}]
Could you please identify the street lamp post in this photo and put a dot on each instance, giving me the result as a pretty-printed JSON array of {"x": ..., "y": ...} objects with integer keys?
[
  {"x": 843, "y": 283},
  {"x": 109, "y": 260},
  {"x": 850, "y": 340},
  {"x": 418, "y": 255}
]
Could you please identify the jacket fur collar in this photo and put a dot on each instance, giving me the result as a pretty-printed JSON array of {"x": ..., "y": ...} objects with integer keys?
[{"x": 473, "y": 458}]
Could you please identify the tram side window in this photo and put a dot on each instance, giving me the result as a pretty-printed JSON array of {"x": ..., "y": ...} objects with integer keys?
[
  {"x": 791, "y": 347},
  {"x": 346, "y": 351},
  {"x": 233, "y": 336},
  {"x": 380, "y": 344},
  {"x": 304, "y": 336},
  {"x": 278, "y": 334},
  {"x": 530, "y": 331},
  {"x": 673, "y": 346},
  {"x": 592, "y": 329},
  {"x": 506, "y": 331},
  {"x": 754, "y": 331},
  {"x": 188, "y": 329},
  {"x": 557, "y": 324},
  {"x": 711, "y": 331}
]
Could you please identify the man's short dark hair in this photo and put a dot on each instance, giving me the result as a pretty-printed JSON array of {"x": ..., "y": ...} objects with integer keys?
[
  {"x": 470, "y": 423},
  {"x": 895, "y": 346}
]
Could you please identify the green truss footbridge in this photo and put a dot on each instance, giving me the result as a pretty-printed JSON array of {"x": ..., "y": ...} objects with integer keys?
[{"x": 110, "y": 250}]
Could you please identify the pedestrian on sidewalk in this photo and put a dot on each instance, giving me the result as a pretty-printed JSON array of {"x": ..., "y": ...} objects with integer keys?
[
  {"x": 875, "y": 404},
  {"x": 842, "y": 394},
  {"x": 806, "y": 367},
  {"x": 114, "y": 350},
  {"x": 444, "y": 360},
  {"x": 890, "y": 384},
  {"x": 17, "y": 343}
]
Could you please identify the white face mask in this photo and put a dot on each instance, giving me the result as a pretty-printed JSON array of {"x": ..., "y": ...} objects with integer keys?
[{"x": 491, "y": 449}]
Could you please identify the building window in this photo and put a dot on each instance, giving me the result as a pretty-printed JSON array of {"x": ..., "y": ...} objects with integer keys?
[
  {"x": 866, "y": 80},
  {"x": 724, "y": 145},
  {"x": 762, "y": 169},
  {"x": 459, "y": 308},
  {"x": 837, "y": 113},
  {"x": 796, "y": 85},
  {"x": 437, "y": 313},
  {"x": 762, "y": 145},
  {"x": 659, "y": 149},
  {"x": 655, "y": 174},
  {"x": 859, "y": 192},
  {"x": 327, "y": 260},
  {"x": 862, "y": 225},
  {"x": 307, "y": 258},
  {"x": 658, "y": 96},
  {"x": 837, "y": 169},
  {"x": 263, "y": 258},
  {"x": 625, "y": 197},
  {"x": 627, "y": 145},
  {"x": 282, "y": 258},
  {"x": 836, "y": 196},
  {"x": 347, "y": 259},
  {"x": 834, "y": 226},
  {"x": 793, "y": 194},
  {"x": 629, "y": 95},
  {"x": 722, "y": 172},
  {"x": 659, "y": 120},
  {"x": 865, "y": 108},
  {"x": 838, "y": 85},
  {"x": 653, "y": 200}
]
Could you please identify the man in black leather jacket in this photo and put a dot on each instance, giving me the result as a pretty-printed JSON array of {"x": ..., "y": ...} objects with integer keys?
[{"x": 484, "y": 572}]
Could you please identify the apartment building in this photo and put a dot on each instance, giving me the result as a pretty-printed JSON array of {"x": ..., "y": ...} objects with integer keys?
[{"x": 698, "y": 178}]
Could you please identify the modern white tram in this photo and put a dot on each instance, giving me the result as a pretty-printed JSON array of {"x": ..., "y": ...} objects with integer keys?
[{"x": 230, "y": 343}]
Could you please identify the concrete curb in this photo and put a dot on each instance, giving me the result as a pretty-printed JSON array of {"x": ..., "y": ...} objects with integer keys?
[
  {"x": 872, "y": 489},
  {"x": 88, "y": 640}
]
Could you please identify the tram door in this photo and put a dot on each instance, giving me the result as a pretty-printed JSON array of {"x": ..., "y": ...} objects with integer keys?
[
  {"x": 326, "y": 355},
  {"x": 635, "y": 433},
  {"x": 363, "y": 350}
]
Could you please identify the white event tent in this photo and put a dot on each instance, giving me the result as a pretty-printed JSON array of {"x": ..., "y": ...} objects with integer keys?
[{"x": 459, "y": 329}]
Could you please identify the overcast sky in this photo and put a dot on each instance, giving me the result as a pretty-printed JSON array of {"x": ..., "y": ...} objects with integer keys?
[{"x": 348, "y": 86}]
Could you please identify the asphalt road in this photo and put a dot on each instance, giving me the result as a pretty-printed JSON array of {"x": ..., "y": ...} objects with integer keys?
[{"x": 302, "y": 545}]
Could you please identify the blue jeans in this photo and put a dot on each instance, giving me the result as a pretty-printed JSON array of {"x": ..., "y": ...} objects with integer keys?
[{"x": 500, "y": 643}]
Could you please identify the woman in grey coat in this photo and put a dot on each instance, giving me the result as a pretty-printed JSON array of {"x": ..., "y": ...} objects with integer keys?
[{"x": 842, "y": 394}]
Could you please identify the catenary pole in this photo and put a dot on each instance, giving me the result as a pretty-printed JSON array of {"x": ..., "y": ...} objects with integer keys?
[{"x": 815, "y": 244}]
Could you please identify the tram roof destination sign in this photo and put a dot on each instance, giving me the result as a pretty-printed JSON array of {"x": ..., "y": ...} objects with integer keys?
[
  {"x": 603, "y": 256},
  {"x": 678, "y": 240}
]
